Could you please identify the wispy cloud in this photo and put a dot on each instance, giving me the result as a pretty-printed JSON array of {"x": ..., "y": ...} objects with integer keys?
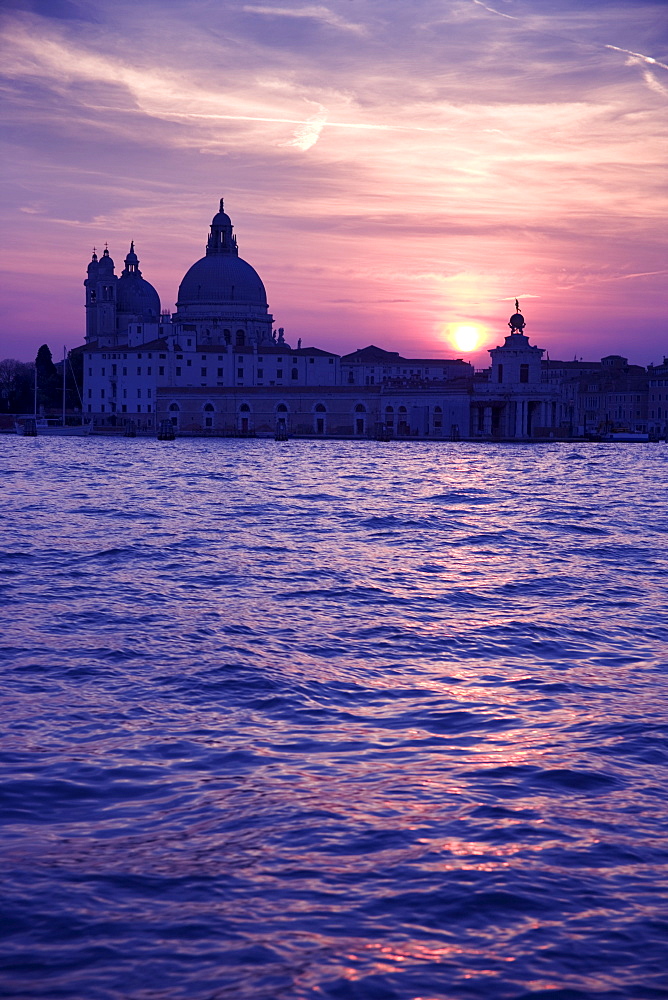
[
  {"x": 322, "y": 14},
  {"x": 308, "y": 134}
]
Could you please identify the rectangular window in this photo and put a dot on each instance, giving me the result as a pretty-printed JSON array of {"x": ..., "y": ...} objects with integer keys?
[
  {"x": 90, "y": 371},
  {"x": 138, "y": 393},
  {"x": 524, "y": 373},
  {"x": 312, "y": 361},
  {"x": 279, "y": 373},
  {"x": 148, "y": 393},
  {"x": 178, "y": 371},
  {"x": 162, "y": 356},
  {"x": 90, "y": 393},
  {"x": 295, "y": 373},
  {"x": 101, "y": 393},
  {"x": 161, "y": 370},
  {"x": 295, "y": 361},
  {"x": 188, "y": 364},
  {"x": 149, "y": 370},
  {"x": 103, "y": 371},
  {"x": 240, "y": 373},
  {"x": 113, "y": 369},
  {"x": 124, "y": 408},
  {"x": 220, "y": 373},
  {"x": 138, "y": 371},
  {"x": 179, "y": 357},
  {"x": 203, "y": 358},
  {"x": 125, "y": 371},
  {"x": 125, "y": 393},
  {"x": 148, "y": 408},
  {"x": 138, "y": 407},
  {"x": 500, "y": 373},
  {"x": 260, "y": 373},
  {"x": 189, "y": 343},
  {"x": 331, "y": 361},
  {"x": 203, "y": 372}
]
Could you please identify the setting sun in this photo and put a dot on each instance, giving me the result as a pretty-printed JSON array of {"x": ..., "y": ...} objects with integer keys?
[{"x": 466, "y": 338}]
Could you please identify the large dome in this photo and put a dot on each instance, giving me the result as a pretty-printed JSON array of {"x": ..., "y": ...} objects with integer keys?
[{"x": 222, "y": 279}]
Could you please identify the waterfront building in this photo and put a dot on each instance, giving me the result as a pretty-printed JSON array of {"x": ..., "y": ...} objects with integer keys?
[
  {"x": 510, "y": 400},
  {"x": 336, "y": 410},
  {"x": 657, "y": 400},
  {"x": 218, "y": 366},
  {"x": 611, "y": 400}
]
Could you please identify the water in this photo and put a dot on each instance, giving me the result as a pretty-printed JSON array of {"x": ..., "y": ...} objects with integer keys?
[{"x": 333, "y": 720}]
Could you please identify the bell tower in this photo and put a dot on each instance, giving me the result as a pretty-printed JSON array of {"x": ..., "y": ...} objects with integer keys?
[{"x": 100, "y": 286}]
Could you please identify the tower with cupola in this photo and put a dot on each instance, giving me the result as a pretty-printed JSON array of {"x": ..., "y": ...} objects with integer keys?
[{"x": 113, "y": 303}]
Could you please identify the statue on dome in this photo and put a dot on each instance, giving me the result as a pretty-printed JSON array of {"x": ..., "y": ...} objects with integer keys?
[{"x": 517, "y": 321}]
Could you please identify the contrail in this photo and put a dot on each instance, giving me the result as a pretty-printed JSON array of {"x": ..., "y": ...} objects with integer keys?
[
  {"x": 638, "y": 55},
  {"x": 304, "y": 122},
  {"x": 492, "y": 11}
]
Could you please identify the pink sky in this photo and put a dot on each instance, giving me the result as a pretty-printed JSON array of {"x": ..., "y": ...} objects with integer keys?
[{"x": 392, "y": 170}]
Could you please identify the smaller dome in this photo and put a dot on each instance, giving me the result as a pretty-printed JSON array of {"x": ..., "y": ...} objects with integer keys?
[
  {"x": 132, "y": 257},
  {"x": 516, "y": 322},
  {"x": 106, "y": 261},
  {"x": 221, "y": 219}
]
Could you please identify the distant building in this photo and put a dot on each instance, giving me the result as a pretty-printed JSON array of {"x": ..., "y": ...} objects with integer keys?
[
  {"x": 657, "y": 400},
  {"x": 374, "y": 366}
]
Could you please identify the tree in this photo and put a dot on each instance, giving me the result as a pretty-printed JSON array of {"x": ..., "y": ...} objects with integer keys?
[
  {"x": 47, "y": 379},
  {"x": 17, "y": 381}
]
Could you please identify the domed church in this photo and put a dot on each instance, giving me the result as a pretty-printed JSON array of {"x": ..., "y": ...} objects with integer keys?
[{"x": 221, "y": 298}]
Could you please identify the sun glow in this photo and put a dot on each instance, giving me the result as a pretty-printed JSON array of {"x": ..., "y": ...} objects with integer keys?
[{"x": 466, "y": 338}]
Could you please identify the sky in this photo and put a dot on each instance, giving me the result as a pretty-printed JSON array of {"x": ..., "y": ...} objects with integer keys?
[{"x": 394, "y": 171}]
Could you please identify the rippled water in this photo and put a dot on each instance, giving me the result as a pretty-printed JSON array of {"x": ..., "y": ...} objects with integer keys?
[{"x": 333, "y": 720}]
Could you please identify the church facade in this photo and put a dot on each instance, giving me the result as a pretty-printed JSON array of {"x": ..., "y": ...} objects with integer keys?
[{"x": 218, "y": 366}]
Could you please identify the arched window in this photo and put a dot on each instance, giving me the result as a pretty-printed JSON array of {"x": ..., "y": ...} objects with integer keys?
[
  {"x": 360, "y": 408},
  {"x": 244, "y": 408},
  {"x": 208, "y": 410},
  {"x": 281, "y": 408},
  {"x": 227, "y": 336},
  {"x": 240, "y": 338},
  {"x": 402, "y": 409},
  {"x": 319, "y": 408},
  {"x": 174, "y": 406},
  {"x": 389, "y": 409},
  {"x": 437, "y": 409}
]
